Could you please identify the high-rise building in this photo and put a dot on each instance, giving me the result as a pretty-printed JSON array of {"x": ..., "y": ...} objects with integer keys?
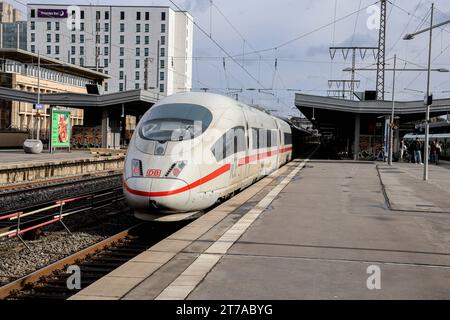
[
  {"x": 140, "y": 47},
  {"x": 8, "y": 13}
]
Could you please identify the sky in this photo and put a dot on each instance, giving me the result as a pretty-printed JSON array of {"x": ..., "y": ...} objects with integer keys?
[{"x": 282, "y": 46}]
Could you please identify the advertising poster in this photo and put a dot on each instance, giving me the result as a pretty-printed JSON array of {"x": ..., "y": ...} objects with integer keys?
[{"x": 60, "y": 131}]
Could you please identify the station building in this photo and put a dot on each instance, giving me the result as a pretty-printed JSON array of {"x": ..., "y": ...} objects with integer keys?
[
  {"x": 19, "y": 71},
  {"x": 358, "y": 129}
]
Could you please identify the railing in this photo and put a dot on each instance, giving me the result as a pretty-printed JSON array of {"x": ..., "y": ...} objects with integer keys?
[{"x": 17, "y": 222}]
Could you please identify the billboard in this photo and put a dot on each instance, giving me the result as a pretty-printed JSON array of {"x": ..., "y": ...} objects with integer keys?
[
  {"x": 60, "y": 129},
  {"x": 52, "y": 13}
]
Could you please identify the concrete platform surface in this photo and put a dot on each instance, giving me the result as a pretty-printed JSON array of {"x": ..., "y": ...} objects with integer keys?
[
  {"x": 320, "y": 230},
  {"x": 19, "y": 156}
]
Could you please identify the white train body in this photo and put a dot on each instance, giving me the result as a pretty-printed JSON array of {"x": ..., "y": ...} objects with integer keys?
[{"x": 192, "y": 149}]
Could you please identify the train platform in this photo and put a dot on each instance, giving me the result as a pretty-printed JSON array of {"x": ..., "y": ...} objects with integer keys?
[
  {"x": 311, "y": 230},
  {"x": 16, "y": 166}
]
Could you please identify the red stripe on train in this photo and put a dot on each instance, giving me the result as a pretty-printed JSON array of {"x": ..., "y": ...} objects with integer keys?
[
  {"x": 212, "y": 175},
  {"x": 209, "y": 177}
]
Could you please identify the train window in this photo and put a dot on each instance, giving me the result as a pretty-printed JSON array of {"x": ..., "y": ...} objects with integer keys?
[
  {"x": 174, "y": 122},
  {"x": 273, "y": 139},
  {"x": 269, "y": 138},
  {"x": 230, "y": 143},
  {"x": 262, "y": 142},
  {"x": 287, "y": 138},
  {"x": 254, "y": 138}
]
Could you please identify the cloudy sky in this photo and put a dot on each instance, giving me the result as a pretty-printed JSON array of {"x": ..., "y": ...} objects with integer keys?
[{"x": 297, "y": 34}]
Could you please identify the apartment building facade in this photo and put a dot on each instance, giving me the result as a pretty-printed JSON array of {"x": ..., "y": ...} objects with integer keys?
[{"x": 139, "y": 47}]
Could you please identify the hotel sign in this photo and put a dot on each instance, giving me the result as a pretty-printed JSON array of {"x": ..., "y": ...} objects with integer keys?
[{"x": 52, "y": 13}]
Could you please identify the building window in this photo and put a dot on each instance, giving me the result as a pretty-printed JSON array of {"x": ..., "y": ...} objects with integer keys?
[
  {"x": 32, "y": 25},
  {"x": 147, "y": 39},
  {"x": 106, "y": 86},
  {"x": 81, "y": 61},
  {"x": 163, "y": 16},
  {"x": 163, "y": 28},
  {"x": 138, "y": 52},
  {"x": 56, "y": 49},
  {"x": 32, "y": 13},
  {"x": 122, "y": 15},
  {"x": 120, "y": 86},
  {"x": 106, "y": 27},
  {"x": 97, "y": 26},
  {"x": 138, "y": 39},
  {"x": 97, "y": 15},
  {"x": 138, "y": 27},
  {"x": 33, "y": 48},
  {"x": 82, "y": 14},
  {"x": 136, "y": 85},
  {"x": 138, "y": 63},
  {"x": 138, "y": 16},
  {"x": 105, "y": 63},
  {"x": 147, "y": 27},
  {"x": 49, "y": 50},
  {"x": 121, "y": 63},
  {"x": 73, "y": 27},
  {"x": 72, "y": 50},
  {"x": 122, "y": 27},
  {"x": 106, "y": 51},
  {"x": 97, "y": 38},
  {"x": 162, "y": 64},
  {"x": 74, "y": 38},
  {"x": 122, "y": 51},
  {"x": 82, "y": 50},
  {"x": 82, "y": 25},
  {"x": 161, "y": 87},
  {"x": 122, "y": 40},
  {"x": 120, "y": 75},
  {"x": 49, "y": 37},
  {"x": 137, "y": 75},
  {"x": 163, "y": 52},
  {"x": 49, "y": 25},
  {"x": 57, "y": 25},
  {"x": 163, "y": 40},
  {"x": 106, "y": 15},
  {"x": 57, "y": 37},
  {"x": 72, "y": 60},
  {"x": 161, "y": 76},
  {"x": 81, "y": 38},
  {"x": 106, "y": 38},
  {"x": 32, "y": 37},
  {"x": 146, "y": 52},
  {"x": 147, "y": 15}
]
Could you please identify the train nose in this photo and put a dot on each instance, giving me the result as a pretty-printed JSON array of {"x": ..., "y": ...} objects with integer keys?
[{"x": 157, "y": 193}]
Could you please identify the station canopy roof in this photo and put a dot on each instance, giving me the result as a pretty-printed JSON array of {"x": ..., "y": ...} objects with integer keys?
[
  {"x": 134, "y": 100},
  {"x": 406, "y": 110},
  {"x": 28, "y": 57}
]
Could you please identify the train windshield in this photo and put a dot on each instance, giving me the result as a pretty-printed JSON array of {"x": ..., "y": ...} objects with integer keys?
[{"x": 175, "y": 122}]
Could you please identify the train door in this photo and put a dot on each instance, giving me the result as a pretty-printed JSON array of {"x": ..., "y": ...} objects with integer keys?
[{"x": 246, "y": 168}]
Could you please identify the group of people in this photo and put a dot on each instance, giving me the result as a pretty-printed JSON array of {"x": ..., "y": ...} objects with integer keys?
[{"x": 415, "y": 150}]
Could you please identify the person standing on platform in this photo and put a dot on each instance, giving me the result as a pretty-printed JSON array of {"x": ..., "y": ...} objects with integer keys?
[
  {"x": 433, "y": 152},
  {"x": 417, "y": 148},
  {"x": 438, "y": 152},
  {"x": 403, "y": 149}
]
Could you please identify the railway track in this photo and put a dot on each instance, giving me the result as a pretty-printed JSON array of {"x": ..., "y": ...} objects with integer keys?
[
  {"x": 96, "y": 261},
  {"x": 7, "y": 190}
]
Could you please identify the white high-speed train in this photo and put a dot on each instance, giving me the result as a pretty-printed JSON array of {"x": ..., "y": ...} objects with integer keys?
[{"x": 191, "y": 150}]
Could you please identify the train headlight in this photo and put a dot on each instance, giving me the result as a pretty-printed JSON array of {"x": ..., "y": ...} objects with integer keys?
[{"x": 136, "y": 168}]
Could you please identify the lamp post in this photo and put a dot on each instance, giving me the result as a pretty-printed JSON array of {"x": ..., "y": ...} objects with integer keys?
[
  {"x": 428, "y": 100},
  {"x": 391, "y": 125}
]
